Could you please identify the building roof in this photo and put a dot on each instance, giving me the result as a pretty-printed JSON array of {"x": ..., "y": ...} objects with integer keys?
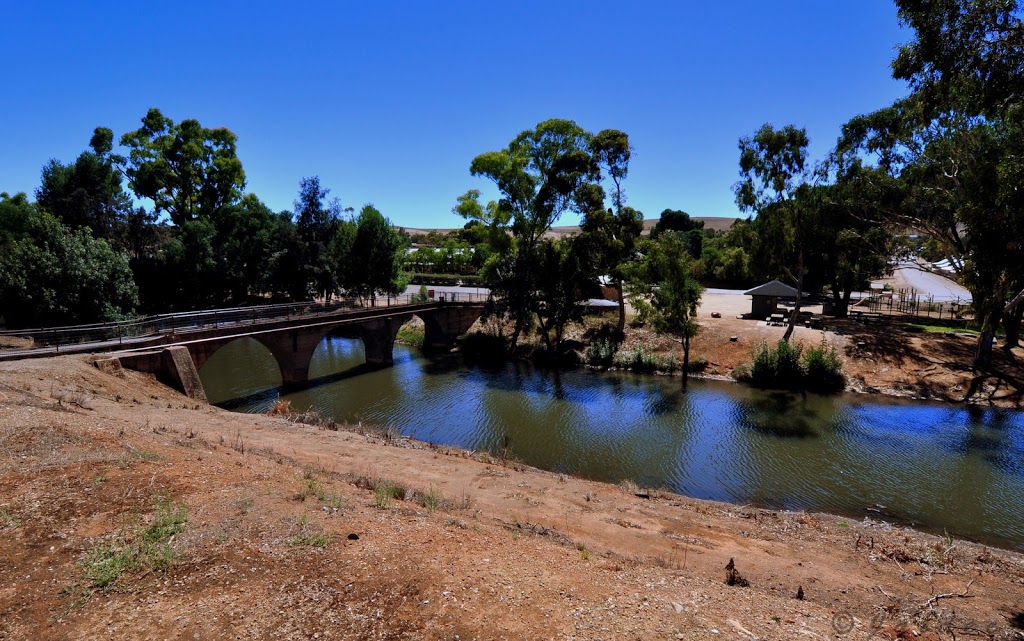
[{"x": 773, "y": 288}]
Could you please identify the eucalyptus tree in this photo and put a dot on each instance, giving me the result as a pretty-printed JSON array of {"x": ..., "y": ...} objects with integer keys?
[
  {"x": 188, "y": 171},
  {"x": 316, "y": 221},
  {"x": 88, "y": 192},
  {"x": 538, "y": 175},
  {"x": 773, "y": 168},
  {"x": 664, "y": 291},
  {"x": 569, "y": 273},
  {"x": 613, "y": 231},
  {"x": 375, "y": 259},
  {"x": 953, "y": 144}
]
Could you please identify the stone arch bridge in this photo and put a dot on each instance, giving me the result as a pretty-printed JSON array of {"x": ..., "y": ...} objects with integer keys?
[{"x": 292, "y": 341}]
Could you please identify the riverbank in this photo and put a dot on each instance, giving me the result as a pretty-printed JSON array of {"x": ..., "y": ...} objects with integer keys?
[
  {"x": 888, "y": 359},
  {"x": 476, "y": 547}
]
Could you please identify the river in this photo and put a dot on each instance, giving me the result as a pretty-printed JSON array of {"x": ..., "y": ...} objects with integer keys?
[{"x": 941, "y": 468}]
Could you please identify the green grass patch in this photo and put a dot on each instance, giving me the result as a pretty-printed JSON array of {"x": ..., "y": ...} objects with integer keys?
[
  {"x": 644, "y": 362},
  {"x": 921, "y": 327},
  {"x": 386, "y": 491},
  {"x": 312, "y": 487},
  {"x": 144, "y": 547},
  {"x": 794, "y": 367},
  {"x": 413, "y": 336},
  {"x": 8, "y": 518},
  {"x": 306, "y": 536}
]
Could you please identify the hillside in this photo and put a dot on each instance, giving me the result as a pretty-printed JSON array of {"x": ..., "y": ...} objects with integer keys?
[{"x": 127, "y": 511}]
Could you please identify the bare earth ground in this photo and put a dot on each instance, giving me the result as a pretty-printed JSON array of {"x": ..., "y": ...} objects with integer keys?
[
  {"x": 877, "y": 359},
  {"x": 500, "y": 551}
]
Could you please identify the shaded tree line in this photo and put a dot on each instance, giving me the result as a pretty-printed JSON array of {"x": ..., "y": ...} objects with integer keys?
[
  {"x": 85, "y": 251},
  {"x": 945, "y": 161}
]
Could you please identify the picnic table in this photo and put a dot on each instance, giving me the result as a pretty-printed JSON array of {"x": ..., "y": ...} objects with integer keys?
[
  {"x": 868, "y": 317},
  {"x": 776, "y": 319}
]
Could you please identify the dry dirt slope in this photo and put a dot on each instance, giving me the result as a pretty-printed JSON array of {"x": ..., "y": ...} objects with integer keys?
[{"x": 227, "y": 526}]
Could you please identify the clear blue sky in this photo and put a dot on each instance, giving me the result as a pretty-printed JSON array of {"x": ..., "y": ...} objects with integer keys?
[{"x": 388, "y": 102}]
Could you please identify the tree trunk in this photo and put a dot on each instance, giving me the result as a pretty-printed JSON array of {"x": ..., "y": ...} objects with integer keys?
[
  {"x": 1012, "y": 324},
  {"x": 983, "y": 354},
  {"x": 686, "y": 360},
  {"x": 622, "y": 310},
  {"x": 799, "y": 296}
]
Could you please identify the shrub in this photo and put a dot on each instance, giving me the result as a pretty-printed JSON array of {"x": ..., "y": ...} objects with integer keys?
[
  {"x": 601, "y": 353},
  {"x": 788, "y": 366},
  {"x": 698, "y": 364},
  {"x": 822, "y": 369},
  {"x": 644, "y": 362},
  {"x": 482, "y": 347}
]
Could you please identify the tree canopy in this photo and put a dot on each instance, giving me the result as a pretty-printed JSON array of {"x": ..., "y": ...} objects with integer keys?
[{"x": 187, "y": 170}]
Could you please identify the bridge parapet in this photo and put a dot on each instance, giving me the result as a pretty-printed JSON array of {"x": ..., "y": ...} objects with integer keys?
[{"x": 293, "y": 341}]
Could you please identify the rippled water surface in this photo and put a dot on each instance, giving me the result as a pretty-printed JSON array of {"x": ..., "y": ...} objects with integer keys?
[{"x": 941, "y": 467}]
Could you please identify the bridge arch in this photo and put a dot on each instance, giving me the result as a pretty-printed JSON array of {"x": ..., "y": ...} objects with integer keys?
[
  {"x": 261, "y": 369},
  {"x": 292, "y": 342}
]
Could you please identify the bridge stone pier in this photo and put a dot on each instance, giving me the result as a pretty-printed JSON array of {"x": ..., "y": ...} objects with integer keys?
[{"x": 293, "y": 342}]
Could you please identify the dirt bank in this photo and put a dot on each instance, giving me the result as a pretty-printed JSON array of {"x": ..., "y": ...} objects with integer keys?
[
  {"x": 225, "y": 526},
  {"x": 887, "y": 359}
]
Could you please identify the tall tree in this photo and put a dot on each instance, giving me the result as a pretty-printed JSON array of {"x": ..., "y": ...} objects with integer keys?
[
  {"x": 187, "y": 170},
  {"x": 614, "y": 231},
  {"x": 538, "y": 175},
  {"x": 88, "y": 193},
  {"x": 953, "y": 144},
  {"x": 316, "y": 220},
  {"x": 492, "y": 217},
  {"x": 569, "y": 272},
  {"x": 772, "y": 166},
  {"x": 664, "y": 291},
  {"x": 375, "y": 261}
]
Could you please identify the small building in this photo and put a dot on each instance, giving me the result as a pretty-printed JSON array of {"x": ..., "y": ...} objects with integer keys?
[{"x": 766, "y": 298}]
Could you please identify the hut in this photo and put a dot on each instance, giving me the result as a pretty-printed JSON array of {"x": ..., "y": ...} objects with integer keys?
[{"x": 766, "y": 298}]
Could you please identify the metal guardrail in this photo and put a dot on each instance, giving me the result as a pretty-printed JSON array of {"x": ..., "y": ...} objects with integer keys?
[{"x": 128, "y": 331}]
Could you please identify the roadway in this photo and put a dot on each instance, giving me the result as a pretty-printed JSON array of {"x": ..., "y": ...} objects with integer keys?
[{"x": 910, "y": 275}]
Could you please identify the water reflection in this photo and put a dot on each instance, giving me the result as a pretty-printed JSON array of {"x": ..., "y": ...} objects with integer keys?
[{"x": 945, "y": 468}]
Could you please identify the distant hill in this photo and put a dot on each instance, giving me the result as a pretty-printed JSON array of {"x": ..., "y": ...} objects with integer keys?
[{"x": 710, "y": 222}]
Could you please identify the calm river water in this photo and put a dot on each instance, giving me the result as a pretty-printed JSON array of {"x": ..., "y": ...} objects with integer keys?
[{"x": 939, "y": 467}]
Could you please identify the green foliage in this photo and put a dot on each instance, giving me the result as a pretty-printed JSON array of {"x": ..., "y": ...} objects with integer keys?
[
  {"x": 788, "y": 366},
  {"x": 187, "y": 170},
  {"x": 664, "y": 291},
  {"x": 88, "y": 193},
  {"x": 375, "y": 260},
  {"x": 642, "y": 361},
  {"x": 964, "y": 111},
  {"x": 772, "y": 164},
  {"x": 601, "y": 352},
  {"x": 385, "y": 491},
  {"x": 306, "y": 536},
  {"x": 317, "y": 225},
  {"x": 540, "y": 175},
  {"x": 146, "y": 547},
  {"x": 677, "y": 221},
  {"x": 568, "y": 275},
  {"x": 822, "y": 368},
  {"x": 413, "y": 336},
  {"x": 51, "y": 275}
]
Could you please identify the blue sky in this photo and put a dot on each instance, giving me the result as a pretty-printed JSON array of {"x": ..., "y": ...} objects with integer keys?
[{"x": 388, "y": 102}]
